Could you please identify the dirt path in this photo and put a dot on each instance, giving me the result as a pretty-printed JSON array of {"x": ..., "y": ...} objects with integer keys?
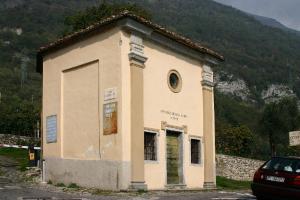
[{"x": 9, "y": 173}]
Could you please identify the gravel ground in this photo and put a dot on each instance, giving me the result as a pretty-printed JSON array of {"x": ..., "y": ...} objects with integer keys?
[
  {"x": 16, "y": 185},
  {"x": 20, "y": 193}
]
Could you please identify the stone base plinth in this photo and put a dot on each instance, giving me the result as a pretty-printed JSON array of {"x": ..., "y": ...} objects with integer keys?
[
  {"x": 138, "y": 186},
  {"x": 209, "y": 185}
]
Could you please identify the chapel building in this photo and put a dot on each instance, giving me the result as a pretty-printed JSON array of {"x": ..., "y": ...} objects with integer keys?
[{"x": 128, "y": 104}]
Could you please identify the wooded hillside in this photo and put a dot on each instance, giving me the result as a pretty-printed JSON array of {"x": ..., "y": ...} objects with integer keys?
[{"x": 256, "y": 54}]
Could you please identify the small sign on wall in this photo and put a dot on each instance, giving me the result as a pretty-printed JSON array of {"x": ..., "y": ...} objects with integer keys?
[
  {"x": 110, "y": 125},
  {"x": 110, "y": 94},
  {"x": 294, "y": 138},
  {"x": 31, "y": 156},
  {"x": 51, "y": 129}
]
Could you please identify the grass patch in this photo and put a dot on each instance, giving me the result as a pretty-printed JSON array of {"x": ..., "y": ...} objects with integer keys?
[
  {"x": 228, "y": 184},
  {"x": 142, "y": 191},
  {"x": 73, "y": 185},
  {"x": 101, "y": 192},
  {"x": 60, "y": 185},
  {"x": 20, "y": 155}
]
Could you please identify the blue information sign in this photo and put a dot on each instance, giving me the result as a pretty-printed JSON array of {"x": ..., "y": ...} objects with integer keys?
[{"x": 51, "y": 127}]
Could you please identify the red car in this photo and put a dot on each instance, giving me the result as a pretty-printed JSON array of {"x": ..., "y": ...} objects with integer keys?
[{"x": 278, "y": 178}]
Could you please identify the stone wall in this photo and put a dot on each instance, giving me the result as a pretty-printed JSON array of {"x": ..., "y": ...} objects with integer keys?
[
  {"x": 236, "y": 168},
  {"x": 18, "y": 140}
]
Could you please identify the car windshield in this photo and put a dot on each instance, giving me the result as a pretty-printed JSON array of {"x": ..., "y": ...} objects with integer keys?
[{"x": 283, "y": 164}]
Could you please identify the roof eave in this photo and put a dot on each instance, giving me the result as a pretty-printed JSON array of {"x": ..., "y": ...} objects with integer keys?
[{"x": 147, "y": 28}]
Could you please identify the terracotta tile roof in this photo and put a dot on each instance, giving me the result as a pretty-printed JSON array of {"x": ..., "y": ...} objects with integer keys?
[{"x": 72, "y": 38}]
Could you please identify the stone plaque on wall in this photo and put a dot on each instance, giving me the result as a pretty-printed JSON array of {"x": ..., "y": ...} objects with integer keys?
[{"x": 110, "y": 125}]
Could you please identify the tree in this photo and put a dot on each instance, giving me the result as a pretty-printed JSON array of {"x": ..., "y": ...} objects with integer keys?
[
  {"x": 18, "y": 117},
  {"x": 237, "y": 140},
  {"x": 92, "y": 15},
  {"x": 278, "y": 119}
]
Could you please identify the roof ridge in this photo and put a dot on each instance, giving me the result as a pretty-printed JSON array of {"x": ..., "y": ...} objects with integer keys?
[{"x": 126, "y": 13}]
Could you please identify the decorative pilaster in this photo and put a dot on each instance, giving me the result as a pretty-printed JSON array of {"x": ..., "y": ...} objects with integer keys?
[
  {"x": 207, "y": 77},
  {"x": 136, "y": 55},
  {"x": 208, "y": 128},
  {"x": 137, "y": 64}
]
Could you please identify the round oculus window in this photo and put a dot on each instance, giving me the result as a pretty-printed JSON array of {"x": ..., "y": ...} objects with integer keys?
[{"x": 174, "y": 81}]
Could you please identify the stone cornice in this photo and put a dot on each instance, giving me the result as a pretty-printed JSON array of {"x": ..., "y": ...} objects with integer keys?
[
  {"x": 207, "y": 76},
  {"x": 136, "y": 55},
  {"x": 207, "y": 83},
  {"x": 165, "y": 126},
  {"x": 147, "y": 33}
]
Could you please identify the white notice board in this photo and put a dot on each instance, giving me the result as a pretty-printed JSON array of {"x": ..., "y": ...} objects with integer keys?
[
  {"x": 110, "y": 94},
  {"x": 294, "y": 138},
  {"x": 51, "y": 128}
]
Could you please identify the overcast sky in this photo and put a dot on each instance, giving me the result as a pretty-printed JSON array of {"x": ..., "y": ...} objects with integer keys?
[{"x": 285, "y": 11}]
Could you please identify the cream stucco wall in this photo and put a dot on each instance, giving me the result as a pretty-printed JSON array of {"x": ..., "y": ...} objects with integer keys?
[
  {"x": 102, "y": 62},
  {"x": 98, "y": 61},
  {"x": 158, "y": 97},
  {"x": 80, "y": 112},
  {"x": 103, "y": 49},
  {"x": 188, "y": 102}
]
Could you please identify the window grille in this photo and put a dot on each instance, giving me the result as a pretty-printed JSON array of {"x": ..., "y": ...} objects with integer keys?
[
  {"x": 195, "y": 151},
  {"x": 149, "y": 146}
]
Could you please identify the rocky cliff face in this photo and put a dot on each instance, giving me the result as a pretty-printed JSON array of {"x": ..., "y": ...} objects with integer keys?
[
  {"x": 228, "y": 84},
  {"x": 232, "y": 86},
  {"x": 237, "y": 88},
  {"x": 275, "y": 92}
]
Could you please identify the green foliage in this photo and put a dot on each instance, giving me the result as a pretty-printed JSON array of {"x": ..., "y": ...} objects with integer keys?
[
  {"x": 73, "y": 185},
  {"x": 240, "y": 127},
  {"x": 237, "y": 140},
  {"x": 18, "y": 117},
  {"x": 278, "y": 119},
  {"x": 297, "y": 88},
  {"x": 95, "y": 14},
  {"x": 225, "y": 183},
  {"x": 230, "y": 110},
  {"x": 142, "y": 191},
  {"x": 292, "y": 150},
  {"x": 20, "y": 155},
  {"x": 233, "y": 116},
  {"x": 60, "y": 185}
]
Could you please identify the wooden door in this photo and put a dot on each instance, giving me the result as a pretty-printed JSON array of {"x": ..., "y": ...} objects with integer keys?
[{"x": 173, "y": 159}]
